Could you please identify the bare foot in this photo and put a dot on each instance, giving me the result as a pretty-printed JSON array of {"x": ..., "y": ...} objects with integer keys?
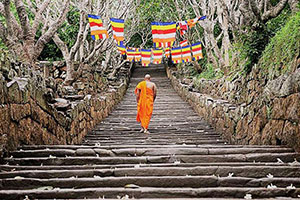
[{"x": 146, "y": 131}]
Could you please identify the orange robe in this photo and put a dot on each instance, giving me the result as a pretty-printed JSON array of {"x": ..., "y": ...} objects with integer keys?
[{"x": 145, "y": 104}]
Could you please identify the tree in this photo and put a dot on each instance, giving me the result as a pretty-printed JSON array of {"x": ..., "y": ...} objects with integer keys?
[
  {"x": 19, "y": 32},
  {"x": 85, "y": 50}
]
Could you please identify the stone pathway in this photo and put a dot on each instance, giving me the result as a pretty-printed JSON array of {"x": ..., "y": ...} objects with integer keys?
[{"x": 182, "y": 158}]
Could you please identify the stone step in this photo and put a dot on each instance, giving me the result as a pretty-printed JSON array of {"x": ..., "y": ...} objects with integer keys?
[
  {"x": 251, "y": 157},
  {"x": 143, "y": 152},
  {"x": 11, "y": 168},
  {"x": 149, "y": 181},
  {"x": 152, "y": 142},
  {"x": 150, "y": 192},
  {"x": 34, "y": 147},
  {"x": 242, "y": 170}
]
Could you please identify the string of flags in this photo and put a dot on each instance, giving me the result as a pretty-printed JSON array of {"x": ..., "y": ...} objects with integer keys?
[{"x": 163, "y": 34}]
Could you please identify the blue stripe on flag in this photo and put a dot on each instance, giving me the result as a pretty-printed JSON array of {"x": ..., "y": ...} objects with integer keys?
[
  {"x": 196, "y": 44},
  {"x": 146, "y": 50},
  {"x": 163, "y": 23},
  {"x": 117, "y": 20},
  {"x": 202, "y": 18},
  {"x": 93, "y": 16},
  {"x": 176, "y": 48}
]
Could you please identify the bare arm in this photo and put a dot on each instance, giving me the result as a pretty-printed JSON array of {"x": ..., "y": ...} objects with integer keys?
[
  {"x": 138, "y": 95},
  {"x": 154, "y": 92}
]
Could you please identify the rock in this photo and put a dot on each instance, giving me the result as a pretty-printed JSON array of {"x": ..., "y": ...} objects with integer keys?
[
  {"x": 74, "y": 97},
  {"x": 290, "y": 132},
  {"x": 62, "y": 104},
  {"x": 63, "y": 75},
  {"x": 70, "y": 90},
  {"x": 79, "y": 85},
  {"x": 56, "y": 73},
  {"x": 19, "y": 111},
  {"x": 85, "y": 152},
  {"x": 14, "y": 93},
  {"x": 12, "y": 74},
  {"x": 291, "y": 84},
  {"x": 272, "y": 132}
]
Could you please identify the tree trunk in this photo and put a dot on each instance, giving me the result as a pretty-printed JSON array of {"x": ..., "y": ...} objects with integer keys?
[{"x": 294, "y": 5}]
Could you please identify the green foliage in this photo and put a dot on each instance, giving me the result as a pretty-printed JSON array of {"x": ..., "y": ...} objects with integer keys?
[
  {"x": 210, "y": 73},
  {"x": 283, "y": 47},
  {"x": 2, "y": 45},
  {"x": 251, "y": 45}
]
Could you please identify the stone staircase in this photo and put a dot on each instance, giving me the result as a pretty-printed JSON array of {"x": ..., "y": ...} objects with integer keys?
[{"x": 182, "y": 158}]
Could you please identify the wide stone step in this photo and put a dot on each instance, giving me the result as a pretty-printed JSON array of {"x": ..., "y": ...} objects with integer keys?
[
  {"x": 149, "y": 192},
  {"x": 150, "y": 181},
  {"x": 251, "y": 157},
  {"x": 12, "y": 168},
  {"x": 143, "y": 151},
  {"x": 34, "y": 147},
  {"x": 152, "y": 142},
  {"x": 251, "y": 171}
]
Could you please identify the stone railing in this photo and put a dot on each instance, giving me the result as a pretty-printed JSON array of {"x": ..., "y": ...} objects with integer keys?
[
  {"x": 273, "y": 117},
  {"x": 27, "y": 115}
]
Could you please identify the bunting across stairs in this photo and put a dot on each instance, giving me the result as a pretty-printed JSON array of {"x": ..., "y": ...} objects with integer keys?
[{"x": 97, "y": 29}]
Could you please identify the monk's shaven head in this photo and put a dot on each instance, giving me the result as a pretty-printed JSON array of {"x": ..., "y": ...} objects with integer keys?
[{"x": 147, "y": 77}]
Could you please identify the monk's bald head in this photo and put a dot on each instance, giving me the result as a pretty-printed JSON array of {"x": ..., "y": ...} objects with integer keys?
[{"x": 147, "y": 77}]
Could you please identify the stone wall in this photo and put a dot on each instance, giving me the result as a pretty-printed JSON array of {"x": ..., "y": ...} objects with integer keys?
[
  {"x": 31, "y": 113},
  {"x": 260, "y": 113}
]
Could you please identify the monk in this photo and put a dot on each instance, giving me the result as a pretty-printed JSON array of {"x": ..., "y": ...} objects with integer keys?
[{"x": 145, "y": 93}]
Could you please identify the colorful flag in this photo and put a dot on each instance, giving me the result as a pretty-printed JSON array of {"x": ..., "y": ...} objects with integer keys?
[
  {"x": 97, "y": 29},
  {"x": 183, "y": 27},
  {"x": 186, "y": 54},
  {"x": 176, "y": 55},
  {"x": 192, "y": 22},
  {"x": 121, "y": 48},
  {"x": 197, "y": 51},
  {"x": 184, "y": 43},
  {"x": 137, "y": 56},
  {"x": 163, "y": 34},
  {"x": 157, "y": 56},
  {"x": 130, "y": 54},
  {"x": 146, "y": 56},
  {"x": 118, "y": 29},
  {"x": 167, "y": 52}
]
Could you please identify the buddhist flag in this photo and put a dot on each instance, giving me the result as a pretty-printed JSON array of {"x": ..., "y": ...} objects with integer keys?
[
  {"x": 146, "y": 56},
  {"x": 97, "y": 29},
  {"x": 183, "y": 27},
  {"x": 121, "y": 48},
  {"x": 192, "y": 22},
  {"x": 163, "y": 34},
  {"x": 184, "y": 43},
  {"x": 167, "y": 52},
  {"x": 176, "y": 55},
  {"x": 157, "y": 56},
  {"x": 197, "y": 51},
  {"x": 186, "y": 54},
  {"x": 118, "y": 29},
  {"x": 130, "y": 54},
  {"x": 137, "y": 55}
]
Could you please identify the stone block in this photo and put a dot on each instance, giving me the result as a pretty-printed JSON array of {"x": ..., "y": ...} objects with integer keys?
[
  {"x": 14, "y": 92},
  {"x": 272, "y": 132},
  {"x": 19, "y": 111}
]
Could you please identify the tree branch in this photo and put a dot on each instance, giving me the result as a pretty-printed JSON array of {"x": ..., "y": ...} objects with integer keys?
[
  {"x": 38, "y": 16},
  {"x": 274, "y": 11},
  {"x": 52, "y": 29},
  {"x": 24, "y": 21}
]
